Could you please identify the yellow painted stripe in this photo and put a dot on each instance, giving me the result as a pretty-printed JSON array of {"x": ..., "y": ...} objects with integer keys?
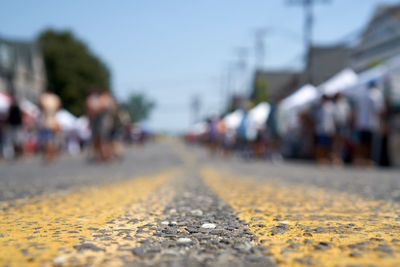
[
  {"x": 52, "y": 225},
  {"x": 313, "y": 215}
]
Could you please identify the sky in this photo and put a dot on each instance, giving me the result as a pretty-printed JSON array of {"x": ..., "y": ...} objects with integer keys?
[{"x": 175, "y": 50}]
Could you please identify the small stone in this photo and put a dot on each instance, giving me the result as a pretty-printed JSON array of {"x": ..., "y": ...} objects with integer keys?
[
  {"x": 192, "y": 230},
  {"x": 384, "y": 248},
  {"x": 184, "y": 241},
  {"x": 321, "y": 247},
  {"x": 304, "y": 261},
  {"x": 88, "y": 246},
  {"x": 138, "y": 252},
  {"x": 377, "y": 239},
  {"x": 355, "y": 254},
  {"x": 208, "y": 226},
  {"x": 59, "y": 260},
  {"x": 294, "y": 245},
  {"x": 166, "y": 223},
  {"x": 277, "y": 231},
  {"x": 197, "y": 212},
  {"x": 172, "y": 211},
  {"x": 326, "y": 244}
]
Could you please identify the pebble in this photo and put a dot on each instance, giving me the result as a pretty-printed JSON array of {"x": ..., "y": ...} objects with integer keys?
[
  {"x": 88, "y": 246},
  {"x": 208, "y": 226},
  {"x": 59, "y": 260},
  {"x": 355, "y": 254},
  {"x": 197, "y": 212},
  {"x": 184, "y": 241}
]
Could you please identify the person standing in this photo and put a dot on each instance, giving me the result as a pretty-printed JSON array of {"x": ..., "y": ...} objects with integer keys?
[
  {"x": 370, "y": 106},
  {"x": 324, "y": 130},
  {"x": 342, "y": 125},
  {"x": 15, "y": 132},
  {"x": 49, "y": 103}
]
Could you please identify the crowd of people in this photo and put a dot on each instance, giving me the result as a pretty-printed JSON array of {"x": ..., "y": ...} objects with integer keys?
[
  {"x": 332, "y": 130},
  {"x": 346, "y": 131},
  {"x": 100, "y": 132}
]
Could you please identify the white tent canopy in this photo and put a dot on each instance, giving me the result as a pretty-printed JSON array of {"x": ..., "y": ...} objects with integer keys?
[
  {"x": 30, "y": 108},
  {"x": 338, "y": 82},
  {"x": 5, "y": 102},
  {"x": 66, "y": 120},
  {"x": 199, "y": 128},
  {"x": 374, "y": 74},
  {"x": 232, "y": 120},
  {"x": 303, "y": 96},
  {"x": 259, "y": 115}
]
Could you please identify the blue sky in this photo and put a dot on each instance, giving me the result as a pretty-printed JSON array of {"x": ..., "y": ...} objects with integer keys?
[{"x": 175, "y": 49}]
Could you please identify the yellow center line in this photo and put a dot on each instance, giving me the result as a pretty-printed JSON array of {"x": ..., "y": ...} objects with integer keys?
[
  {"x": 36, "y": 233},
  {"x": 309, "y": 224}
]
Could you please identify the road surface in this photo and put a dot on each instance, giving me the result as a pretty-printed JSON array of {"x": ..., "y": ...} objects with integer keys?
[{"x": 167, "y": 204}]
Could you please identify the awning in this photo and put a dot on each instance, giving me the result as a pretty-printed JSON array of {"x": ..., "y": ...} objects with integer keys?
[
  {"x": 66, "y": 120},
  {"x": 303, "y": 96},
  {"x": 259, "y": 115},
  {"x": 339, "y": 82},
  {"x": 233, "y": 120},
  {"x": 5, "y": 102}
]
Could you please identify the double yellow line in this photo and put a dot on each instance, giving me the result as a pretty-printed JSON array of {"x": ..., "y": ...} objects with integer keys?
[
  {"x": 38, "y": 233},
  {"x": 305, "y": 224}
]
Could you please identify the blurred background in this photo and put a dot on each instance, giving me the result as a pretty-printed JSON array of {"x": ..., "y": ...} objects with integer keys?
[{"x": 302, "y": 79}]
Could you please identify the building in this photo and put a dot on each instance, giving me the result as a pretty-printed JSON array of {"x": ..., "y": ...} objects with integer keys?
[
  {"x": 380, "y": 39},
  {"x": 326, "y": 61},
  {"x": 22, "y": 69},
  {"x": 279, "y": 83}
]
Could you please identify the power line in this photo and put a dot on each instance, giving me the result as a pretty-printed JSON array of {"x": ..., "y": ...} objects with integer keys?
[{"x": 308, "y": 30}]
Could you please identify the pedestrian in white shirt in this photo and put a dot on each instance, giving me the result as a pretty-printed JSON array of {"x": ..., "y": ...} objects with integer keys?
[{"x": 370, "y": 106}]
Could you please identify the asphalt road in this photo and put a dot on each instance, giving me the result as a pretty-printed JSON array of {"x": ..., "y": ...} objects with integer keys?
[
  {"x": 30, "y": 177},
  {"x": 167, "y": 204}
]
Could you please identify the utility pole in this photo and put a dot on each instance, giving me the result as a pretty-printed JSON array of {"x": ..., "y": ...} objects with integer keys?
[
  {"x": 260, "y": 35},
  {"x": 241, "y": 53},
  {"x": 308, "y": 30},
  {"x": 195, "y": 107}
]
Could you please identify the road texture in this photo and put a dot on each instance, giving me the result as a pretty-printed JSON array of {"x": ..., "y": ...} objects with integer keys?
[{"x": 171, "y": 205}]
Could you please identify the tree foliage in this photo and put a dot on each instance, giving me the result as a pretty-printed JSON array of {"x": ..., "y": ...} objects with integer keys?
[
  {"x": 73, "y": 71},
  {"x": 260, "y": 93},
  {"x": 138, "y": 106}
]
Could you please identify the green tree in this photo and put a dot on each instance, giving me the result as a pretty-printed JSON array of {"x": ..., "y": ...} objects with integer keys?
[
  {"x": 73, "y": 71},
  {"x": 260, "y": 93},
  {"x": 138, "y": 106}
]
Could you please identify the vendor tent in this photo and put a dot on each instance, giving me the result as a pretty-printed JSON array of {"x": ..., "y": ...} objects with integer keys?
[
  {"x": 199, "y": 128},
  {"x": 5, "y": 102},
  {"x": 66, "y": 120},
  {"x": 29, "y": 108},
  {"x": 303, "y": 96},
  {"x": 338, "y": 82},
  {"x": 232, "y": 120},
  {"x": 259, "y": 115},
  {"x": 375, "y": 74}
]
